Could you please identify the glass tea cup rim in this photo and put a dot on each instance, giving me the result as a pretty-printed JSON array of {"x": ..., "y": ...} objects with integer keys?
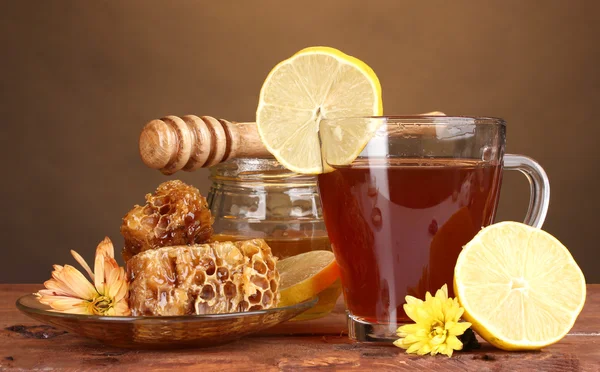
[{"x": 428, "y": 120}]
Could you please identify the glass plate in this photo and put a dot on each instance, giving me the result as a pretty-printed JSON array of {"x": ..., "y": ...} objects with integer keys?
[{"x": 160, "y": 332}]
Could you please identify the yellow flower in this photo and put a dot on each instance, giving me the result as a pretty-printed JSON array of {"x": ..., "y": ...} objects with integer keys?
[
  {"x": 436, "y": 325},
  {"x": 70, "y": 292}
]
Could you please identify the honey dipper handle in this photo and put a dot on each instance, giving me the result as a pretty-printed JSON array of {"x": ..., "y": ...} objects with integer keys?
[{"x": 190, "y": 142}]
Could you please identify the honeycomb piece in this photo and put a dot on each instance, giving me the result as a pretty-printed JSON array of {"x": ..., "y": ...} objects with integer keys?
[
  {"x": 216, "y": 278},
  {"x": 175, "y": 214}
]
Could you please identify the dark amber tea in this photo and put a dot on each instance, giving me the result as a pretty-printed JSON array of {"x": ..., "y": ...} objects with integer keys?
[{"x": 397, "y": 227}]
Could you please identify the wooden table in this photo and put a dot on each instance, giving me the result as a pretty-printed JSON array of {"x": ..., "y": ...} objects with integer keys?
[{"x": 319, "y": 344}]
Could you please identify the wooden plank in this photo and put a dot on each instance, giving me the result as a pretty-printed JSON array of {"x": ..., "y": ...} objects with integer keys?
[
  {"x": 333, "y": 324},
  {"x": 36, "y": 347}
]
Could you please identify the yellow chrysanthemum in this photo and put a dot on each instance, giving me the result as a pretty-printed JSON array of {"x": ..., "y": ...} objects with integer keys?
[
  {"x": 70, "y": 292},
  {"x": 436, "y": 325}
]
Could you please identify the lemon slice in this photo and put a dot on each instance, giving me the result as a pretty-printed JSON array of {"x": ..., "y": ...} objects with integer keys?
[
  {"x": 317, "y": 83},
  {"x": 303, "y": 276},
  {"x": 520, "y": 287}
]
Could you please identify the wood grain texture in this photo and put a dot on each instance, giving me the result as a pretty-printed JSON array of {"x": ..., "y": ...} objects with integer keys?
[
  {"x": 190, "y": 142},
  {"x": 316, "y": 345}
]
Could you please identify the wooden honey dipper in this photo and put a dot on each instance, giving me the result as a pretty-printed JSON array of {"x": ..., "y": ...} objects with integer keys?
[{"x": 190, "y": 142}]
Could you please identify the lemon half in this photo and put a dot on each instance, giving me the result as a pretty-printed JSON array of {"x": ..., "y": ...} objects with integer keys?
[
  {"x": 520, "y": 287},
  {"x": 313, "y": 84}
]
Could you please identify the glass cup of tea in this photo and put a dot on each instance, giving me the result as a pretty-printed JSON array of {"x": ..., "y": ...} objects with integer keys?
[{"x": 399, "y": 215}]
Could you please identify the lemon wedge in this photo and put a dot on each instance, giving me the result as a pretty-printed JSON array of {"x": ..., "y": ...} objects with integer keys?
[
  {"x": 303, "y": 276},
  {"x": 313, "y": 84},
  {"x": 520, "y": 287}
]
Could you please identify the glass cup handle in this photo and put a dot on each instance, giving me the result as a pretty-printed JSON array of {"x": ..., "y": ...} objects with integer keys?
[{"x": 539, "y": 187}]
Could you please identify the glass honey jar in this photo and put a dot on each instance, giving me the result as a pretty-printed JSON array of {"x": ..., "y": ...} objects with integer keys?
[{"x": 259, "y": 198}]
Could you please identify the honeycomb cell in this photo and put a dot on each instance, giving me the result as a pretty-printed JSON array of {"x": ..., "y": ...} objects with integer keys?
[
  {"x": 274, "y": 285},
  {"x": 209, "y": 266},
  {"x": 260, "y": 282},
  {"x": 260, "y": 267},
  {"x": 222, "y": 274},
  {"x": 149, "y": 222},
  {"x": 208, "y": 293},
  {"x": 199, "y": 278},
  {"x": 255, "y": 298},
  {"x": 176, "y": 214},
  {"x": 229, "y": 290},
  {"x": 267, "y": 298},
  {"x": 250, "y": 250},
  {"x": 211, "y": 278},
  {"x": 270, "y": 264}
]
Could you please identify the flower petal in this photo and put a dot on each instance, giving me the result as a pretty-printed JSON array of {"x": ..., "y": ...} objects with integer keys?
[
  {"x": 58, "y": 284},
  {"x": 459, "y": 313},
  {"x": 112, "y": 284},
  {"x": 454, "y": 343},
  {"x": 105, "y": 248},
  {"x": 445, "y": 350},
  {"x": 411, "y": 312},
  {"x": 399, "y": 343},
  {"x": 438, "y": 340},
  {"x": 414, "y": 348},
  {"x": 99, "y": 274},
  {"x": 411, "y": 339},
  {"x": 436, "y": 309},
  {"x": 122, "y": 309},
  {"x": 424, "y": 316},
  {"x": 123, "y": 294},
  {"x": 425, "y": 349},
  {"x": 403, "y": 343},
  {"x": 459, "y": 328},
  {"x": 110, "y": 264},
  {"x": 408, "y": 329},
  {"x": 57, "y": 288},
  {"x": 83, "y": 264},
  {"x": 46, "y": 294},
  {"x": 442, "y": 293},
  {"x": 73, "y": 282},
  {"x": 453, "y": 310},
  {"x": 413, "y": 300},
  {"x": 119, "y": 290},
  {"x": 78, "y": 310},
  {"x": 63, "y": 303}
]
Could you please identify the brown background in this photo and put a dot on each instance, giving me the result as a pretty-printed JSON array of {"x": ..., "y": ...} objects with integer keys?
[{"x": 79, "y": 79}]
